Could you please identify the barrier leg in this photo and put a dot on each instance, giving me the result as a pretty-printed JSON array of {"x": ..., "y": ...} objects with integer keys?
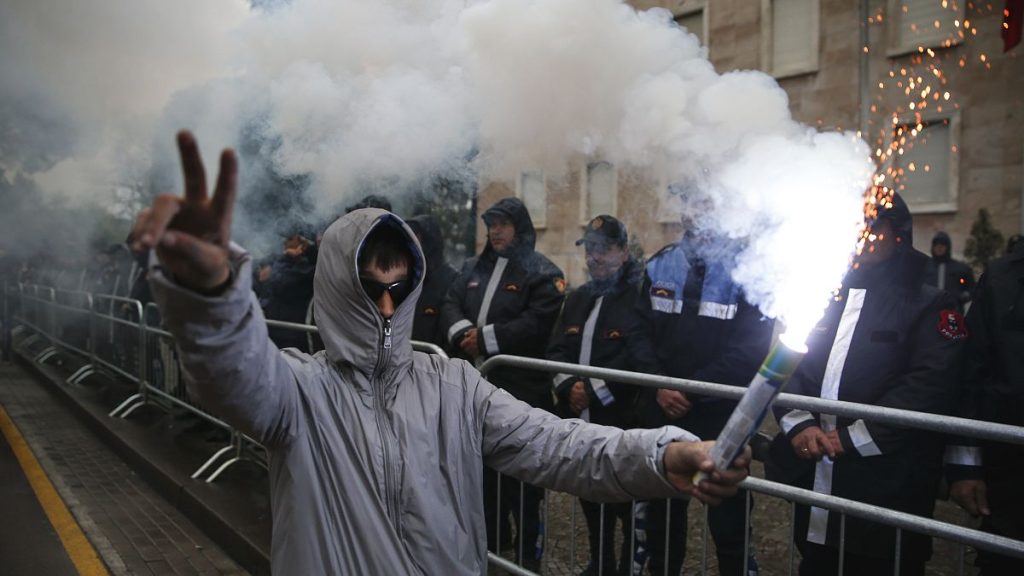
[
  {"x": 81, "y": 374},
  {"x": 46, "y": 354},
  {"x": 128, "y": 402},
  {"x": 210, "y": 461}
]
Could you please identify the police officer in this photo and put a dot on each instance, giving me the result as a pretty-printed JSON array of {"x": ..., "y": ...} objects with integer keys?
[
  {"x": 439, "y": 276},
  {"x": 593, "y": 330},
  {"x": 986, "y": 479},
  {"x": 699, "y": 326},
  {"x": 948, "y": 274},
  {"x": 888, "y": 339},
  {"x": 506, "y": 301}
]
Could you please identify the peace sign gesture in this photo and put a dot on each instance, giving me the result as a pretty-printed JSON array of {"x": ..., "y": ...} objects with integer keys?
[{"x": 191, "y": 234}]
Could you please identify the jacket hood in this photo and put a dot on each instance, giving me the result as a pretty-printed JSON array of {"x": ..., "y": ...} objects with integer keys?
[
  {"x": 514, "y": 210},
  {"x": 431, "y": 240},
  {"x": 943, "y": 238},
  {"x": 899, "y": 214},
  {"x": 351, "y": 327}
]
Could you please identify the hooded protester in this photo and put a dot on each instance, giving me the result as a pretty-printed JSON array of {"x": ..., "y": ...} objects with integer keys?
[
  {"x": 888, "y": 339},
  {"x": 506, "y": 301},
  {"x": 376, "y": 452},
  {"x": 948, "y": 274},
  {"x": 595, "y": 329},
  {"x": 427, "y": 326}
]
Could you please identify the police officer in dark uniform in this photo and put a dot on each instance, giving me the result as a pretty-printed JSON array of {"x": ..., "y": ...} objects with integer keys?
[
  {"x": 440, "y": 275},
  {"x": 888, "y": 339},
  {"x": 593, "y": 330},
  {"x": 699, "y": 326},
  {"x": 948, "y": 274},
  {"x": 986, "y": 479},
  {"x": 506, "y": 301}
]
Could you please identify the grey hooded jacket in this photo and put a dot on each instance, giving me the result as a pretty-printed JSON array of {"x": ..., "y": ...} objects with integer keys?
[{"x": 376, "y": 451}]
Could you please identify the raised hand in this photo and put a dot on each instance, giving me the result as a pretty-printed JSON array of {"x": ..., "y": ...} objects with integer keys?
[
  {"x": 683, "y": 460},
  {"x": 191, "y": 234}
]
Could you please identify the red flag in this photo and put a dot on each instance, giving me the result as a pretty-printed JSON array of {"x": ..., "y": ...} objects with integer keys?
[{"x": 1013, "y": 21}]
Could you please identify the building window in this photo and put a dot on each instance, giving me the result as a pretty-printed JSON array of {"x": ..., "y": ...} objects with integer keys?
[
  {"x": 927, "y": 171},
  {"x": 693, "y": 18},
  {"x": 790, "y": 36},
  {"x": 532, "y": 190},
  {"x": 670, "y": 208},
  {"x": 600, "y": 188},
  {"x": 918, "y": 24}
]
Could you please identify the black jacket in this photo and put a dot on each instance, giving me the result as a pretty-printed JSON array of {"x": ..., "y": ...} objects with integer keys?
[
  {"x": 525, "y": 304},
  {"x": 287, "y": 294},
  {"x": 697, "y": 337},
  {"x": 900, "y": 348},
  {"x": 440, "y": 276},
  {"x": 610, "y": 346}
]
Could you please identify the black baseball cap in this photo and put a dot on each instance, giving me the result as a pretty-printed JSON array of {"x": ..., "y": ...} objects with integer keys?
[{"x": 605, "y": 230}]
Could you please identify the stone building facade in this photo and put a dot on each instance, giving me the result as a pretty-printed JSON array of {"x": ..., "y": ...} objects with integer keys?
[{"x": 887, "y": 68}]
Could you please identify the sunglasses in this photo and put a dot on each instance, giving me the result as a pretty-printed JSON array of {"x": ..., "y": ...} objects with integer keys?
[{"x": 399, "y": 291}]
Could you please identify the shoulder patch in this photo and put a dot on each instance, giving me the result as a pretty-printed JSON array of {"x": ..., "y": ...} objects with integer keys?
[
  {"x": 511, "y": 287},
  {"x": 572, "y": 330},
  {"x": 613, "y": 334},
  {"x": 951, "y": 325},
  {"x": 430, "y": 311},
  {"x": 474, "y": 283},
  {"x": 560, "y": 285}
]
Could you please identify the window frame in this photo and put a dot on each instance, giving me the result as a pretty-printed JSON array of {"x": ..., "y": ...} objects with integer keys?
[
  {"x": 540, "y": 221},
  {"x": 893, "y": 16},
  {"x": 768, "y": 42},
  {"x": 952, "y": 201},
  {"x": 585, "y": 190}
]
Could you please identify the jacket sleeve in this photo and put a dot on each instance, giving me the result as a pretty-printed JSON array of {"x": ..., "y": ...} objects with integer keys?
[
  {"x": 640, "y": 334},
  {"x": 231, "y": 365},
  {"x": 928, "y": 384},
  {"x": 963, "y": 459},
  {"x": 454, "y": 322},
  {"x": 560, "y": 351},
  {"x": 520, "y": 335},
  {"x": 750, "y": 337},
  {"x": 600, "y": 463}
]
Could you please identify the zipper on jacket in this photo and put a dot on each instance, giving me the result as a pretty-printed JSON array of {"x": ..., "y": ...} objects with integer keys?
[{"x": 391, "y": 490}]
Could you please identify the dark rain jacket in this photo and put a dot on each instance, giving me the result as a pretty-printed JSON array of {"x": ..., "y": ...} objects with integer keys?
[
  {"x": 426, "y": 326},
  {"x": 287, "y": 295},
  {"x": 696, "y": 324},
  {"x": 994, "y": 392},
  {"x": 887, "y": 340},
  {"x": 514, "y": 300},
  {"x": 605, "y": 340},
  {"x": 376, "y": 452}
]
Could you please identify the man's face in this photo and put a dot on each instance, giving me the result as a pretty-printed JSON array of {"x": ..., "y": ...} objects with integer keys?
[
  {"x": 882, "y": 247},
  {"x": 295, "y": 246},
  {"x": 373, "y": 275},
  {"x": 939, "y": 250},
  {"x": 604, "y": 261},
  {"x": 501, "y": 233}
]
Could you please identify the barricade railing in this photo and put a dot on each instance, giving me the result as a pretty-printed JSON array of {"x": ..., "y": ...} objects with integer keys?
[{"x": 902, "y": 521}]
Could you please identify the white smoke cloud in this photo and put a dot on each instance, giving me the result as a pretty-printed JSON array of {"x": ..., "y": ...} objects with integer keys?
[{"x": 346, "y": 94}]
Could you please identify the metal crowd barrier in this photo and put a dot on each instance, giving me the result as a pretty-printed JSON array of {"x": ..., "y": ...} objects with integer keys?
[
  {"x": 905, "y": 418},
  {"x": 120, "y": 336},
  {"x": 124, "y": 339}
]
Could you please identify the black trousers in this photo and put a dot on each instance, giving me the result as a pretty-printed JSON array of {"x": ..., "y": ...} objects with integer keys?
[
  {"x": 601, "y": 536},
  {"x": 515, "y": 506},
  {"x": 726, "y": 522},
  {"x": 821, "y": 560}
]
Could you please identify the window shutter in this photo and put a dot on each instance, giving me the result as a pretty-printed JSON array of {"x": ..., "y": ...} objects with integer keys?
[
  {"x": 601, "y": 189},
  {"x": 533, "y": 192},
  {"x": 792, "y": 41},
  {"x": 925, "y": 163}
]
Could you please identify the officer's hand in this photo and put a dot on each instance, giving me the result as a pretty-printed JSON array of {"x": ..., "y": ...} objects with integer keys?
[
  {"x": 811, "y": 443},
  {"x": 971, "y": 495},
  {"x": 835, "y": 442},
  {"x": 578, "y": 397},
  {"x": 469, "y": 343},
  {"x": 674, "y": 403},
  {"x": 683, "y": 460},
  {"x": 191, "y": 234}
]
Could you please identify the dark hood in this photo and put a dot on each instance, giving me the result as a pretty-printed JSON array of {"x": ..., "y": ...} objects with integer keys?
[
  {"x": 902, "y": 223},
  {"x": 514, "y": 210},
  {"x": 431, "y": 240},
  {"x": 943, "y": 238}
]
